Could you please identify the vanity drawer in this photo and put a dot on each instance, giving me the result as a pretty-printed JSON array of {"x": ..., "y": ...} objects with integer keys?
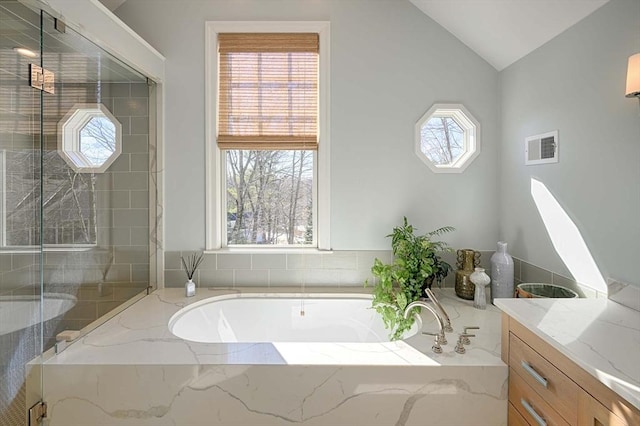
[
  {"x": 553, "y": 386},
  {"x": 530, "y": 405},
  {"x": 515, "y": 418}
]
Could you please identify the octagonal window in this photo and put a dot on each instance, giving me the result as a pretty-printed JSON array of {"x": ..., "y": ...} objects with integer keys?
[
  {"x": 98, "y": 140},
  {"x": 89, "y": 138},
  {"x": 447, "y": 138}
]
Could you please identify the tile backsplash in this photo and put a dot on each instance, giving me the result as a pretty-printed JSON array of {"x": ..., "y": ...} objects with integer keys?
[
  {"x": 335, "y": 268},
  {"x": 525, "y": 272},
  {"x": 276, "y": 269},
  {"x": 625, "y": 294}
]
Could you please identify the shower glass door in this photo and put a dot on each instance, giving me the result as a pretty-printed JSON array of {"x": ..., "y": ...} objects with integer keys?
[
  {"x": 95, "y": 183},
  {"x": 74, "y": 194},
  {"x": 21, "y": 306}
]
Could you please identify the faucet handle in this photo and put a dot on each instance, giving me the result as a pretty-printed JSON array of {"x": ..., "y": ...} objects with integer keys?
[
  {"x": 465, "y": 339},
  {"x": 441, "y": 339},
  {"x": 461, "y": 342}
]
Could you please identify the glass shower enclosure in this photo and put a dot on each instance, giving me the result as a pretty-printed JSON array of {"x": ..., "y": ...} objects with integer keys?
[{"x": 75, "y": 221}]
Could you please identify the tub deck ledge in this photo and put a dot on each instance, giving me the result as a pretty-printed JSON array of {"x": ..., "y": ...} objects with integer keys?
[{"x": 140, "y": 335}]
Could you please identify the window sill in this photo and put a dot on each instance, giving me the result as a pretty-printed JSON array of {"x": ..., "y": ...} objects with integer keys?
[
  {"x": 268, "y": 250},
  {"x": 47, "y": 249}
]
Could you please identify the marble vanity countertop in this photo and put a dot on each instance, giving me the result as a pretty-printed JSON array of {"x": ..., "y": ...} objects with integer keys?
[
  {"x": 601, "y": 336},
  {"x": 139, "y": 335}
]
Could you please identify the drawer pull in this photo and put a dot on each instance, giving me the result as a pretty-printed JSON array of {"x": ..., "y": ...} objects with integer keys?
[
  {"x": 537, "y": 417},
  {"x": 529, "y": 369}
]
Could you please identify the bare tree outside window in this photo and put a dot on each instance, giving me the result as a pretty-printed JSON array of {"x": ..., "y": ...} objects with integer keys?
[
  {"x": 98, "y": 140},
  {"x": 90, "y": 138},
  {"x": 269, "y": 197},
  {"x": 442, "y": 140},
  {"x": 69, "y": 210},
  {"x": 447, "y": 138}
]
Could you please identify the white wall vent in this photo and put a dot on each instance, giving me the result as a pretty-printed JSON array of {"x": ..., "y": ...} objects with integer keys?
[{"x": 541, "y": 149}]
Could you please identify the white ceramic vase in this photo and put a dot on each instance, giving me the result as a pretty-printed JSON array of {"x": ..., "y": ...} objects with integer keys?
[
  {"x": 480, "y": 279},
  {"x": 501, "y": 273}
]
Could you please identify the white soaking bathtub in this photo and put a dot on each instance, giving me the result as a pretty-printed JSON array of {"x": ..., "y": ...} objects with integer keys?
[
  {"x": 283, "y": 317},
  {"x": 21, "y": 312},
  {"x": 133, "y": 371}
]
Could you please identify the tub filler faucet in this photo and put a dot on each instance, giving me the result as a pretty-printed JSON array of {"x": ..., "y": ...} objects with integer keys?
[
  {"x": 440, "y": 338},
  {"x": 445, "y": 316}
]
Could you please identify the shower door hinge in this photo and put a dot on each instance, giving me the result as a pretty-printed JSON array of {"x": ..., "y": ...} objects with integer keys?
[
  {"x": 41, "y": 79},
  {"x": 37, "y": 413},
  {"x": 60, "y": 26}
]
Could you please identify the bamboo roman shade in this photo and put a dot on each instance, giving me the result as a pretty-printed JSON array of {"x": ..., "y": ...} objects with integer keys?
[{"x": 268, "y": 91}]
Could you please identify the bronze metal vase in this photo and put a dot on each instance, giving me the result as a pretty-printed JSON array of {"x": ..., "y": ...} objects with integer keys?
[{"x": 467, "y": 261}]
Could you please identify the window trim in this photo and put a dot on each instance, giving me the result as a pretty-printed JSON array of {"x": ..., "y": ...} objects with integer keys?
[
  {"x": 69, "y": 130},
  {"x": 470, "y": 127},
  {"x": 215, "y": 222}
]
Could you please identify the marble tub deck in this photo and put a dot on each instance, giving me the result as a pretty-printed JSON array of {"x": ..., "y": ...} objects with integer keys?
[{"x": 133, "y": 371}]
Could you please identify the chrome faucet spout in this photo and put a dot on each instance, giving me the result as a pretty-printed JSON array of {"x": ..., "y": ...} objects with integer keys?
[
  {"x": 447, "y": 327},
  {"x": 440, "y": 338}
]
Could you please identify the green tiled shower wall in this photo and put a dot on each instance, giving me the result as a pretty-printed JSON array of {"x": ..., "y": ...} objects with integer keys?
[{"x": 117, "y": 267}]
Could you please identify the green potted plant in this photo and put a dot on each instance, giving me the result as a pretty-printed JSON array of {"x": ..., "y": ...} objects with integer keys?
[{"x": 416, "y": 264}]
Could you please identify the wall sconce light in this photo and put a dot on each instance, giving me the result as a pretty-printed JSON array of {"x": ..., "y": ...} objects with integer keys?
[{"x": 633, "y": 77}]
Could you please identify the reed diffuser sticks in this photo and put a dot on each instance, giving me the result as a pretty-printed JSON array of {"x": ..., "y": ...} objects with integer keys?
[{"x": 191, "y": 264}]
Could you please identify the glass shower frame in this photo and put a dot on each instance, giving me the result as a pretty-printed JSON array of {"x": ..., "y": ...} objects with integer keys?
[{"x": 95, "y": 278}]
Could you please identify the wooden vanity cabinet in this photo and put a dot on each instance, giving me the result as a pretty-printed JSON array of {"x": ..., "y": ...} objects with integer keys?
[
  {"x": 547, "y": 388},
  {"x": 592, "y": 413}
]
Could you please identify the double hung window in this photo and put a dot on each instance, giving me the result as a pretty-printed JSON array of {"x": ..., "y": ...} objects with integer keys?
[{"x": 266, "y": 140}]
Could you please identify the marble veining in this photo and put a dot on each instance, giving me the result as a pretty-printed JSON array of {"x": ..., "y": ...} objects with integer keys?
[
  {"x": 601, "y": 336},
  {"x": 133, "y": 371}
]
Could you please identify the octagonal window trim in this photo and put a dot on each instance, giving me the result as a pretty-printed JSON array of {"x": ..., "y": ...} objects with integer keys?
[
  {"x": 471, "y": 136},
  {"x": 69, "y": 137}
]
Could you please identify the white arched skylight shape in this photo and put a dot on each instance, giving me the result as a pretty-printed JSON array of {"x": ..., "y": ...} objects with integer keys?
[{"x": 89, "y": 138}]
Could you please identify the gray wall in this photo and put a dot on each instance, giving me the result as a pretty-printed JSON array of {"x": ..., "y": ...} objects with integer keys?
[
  {"x": 389, "y": 64},
  {"x": 575, "y": 83}
]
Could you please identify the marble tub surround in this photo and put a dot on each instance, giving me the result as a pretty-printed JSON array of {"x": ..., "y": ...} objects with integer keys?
[
  {"x": 270, "y": 395},
  {"x": 133, "y": 371},
  {"x": 599, "y": 335}
]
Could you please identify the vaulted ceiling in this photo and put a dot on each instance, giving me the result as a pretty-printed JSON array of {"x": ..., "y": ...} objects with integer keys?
[
  {"x": 500, "y": 31},
  {"x": 112, "y": 4},
  {"x": 503, "y": 31}
]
